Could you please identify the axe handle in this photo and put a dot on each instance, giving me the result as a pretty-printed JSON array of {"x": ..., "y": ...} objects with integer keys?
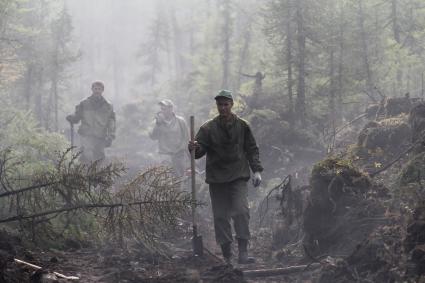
[{"x": 192, "y": 173}]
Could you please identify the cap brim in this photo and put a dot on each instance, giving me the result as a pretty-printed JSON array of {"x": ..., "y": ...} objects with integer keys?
[{"x": 162, "y": 103}]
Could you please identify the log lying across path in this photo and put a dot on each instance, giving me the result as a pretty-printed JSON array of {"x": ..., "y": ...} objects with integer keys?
[
  {"x": 279, "y": 271},
  {"x": 39, "y": 267}
]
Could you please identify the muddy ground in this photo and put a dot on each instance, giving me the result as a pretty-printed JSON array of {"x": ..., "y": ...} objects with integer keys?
[{"x": 115, "y": 265}]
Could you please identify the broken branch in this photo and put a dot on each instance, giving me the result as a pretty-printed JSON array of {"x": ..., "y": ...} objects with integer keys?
[
  {"x": 280, "y": 271},
  {"x": 85, "y": 206},
  {"x": 60, "y": 275}
]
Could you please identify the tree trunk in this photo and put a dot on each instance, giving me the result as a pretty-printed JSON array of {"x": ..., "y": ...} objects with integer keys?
[
  {"x": 156, "y": 48},
  {"x": 244, "y": 53},
  {"x": 369, "y": 80},
  {"x": 116, "y": 70},
  {"x": 341, "y": 62},
  {"x": 165, "y": 33},
  {"x": 289, "y": 63},
  {"x": 54, "y": 82},
  {"x": 226, "y": 44},
  {"x": 332, "y": 107},
  {"x": 301, "y": 38},
  {"x": 396, "y": 33},
  {"x": 258, "y": 90},
  {"x": 54, "y": 89},
  {"x": 409, "y": 78},
  {"x": 396, "y": 27},
  {"x": 28, "y": 85},
  {"x": 39, "y": 96},
  {"x": 178, "y": 59}
]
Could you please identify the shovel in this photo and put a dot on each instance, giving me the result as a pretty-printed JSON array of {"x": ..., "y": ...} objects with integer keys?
[{"x": 197, "y": 245}]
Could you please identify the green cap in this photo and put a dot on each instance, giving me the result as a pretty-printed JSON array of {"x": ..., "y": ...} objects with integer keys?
[{"x": 224, "y": 93}]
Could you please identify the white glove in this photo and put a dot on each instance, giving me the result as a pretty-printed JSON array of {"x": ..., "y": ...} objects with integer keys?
[{"x": 256, "y": 179}]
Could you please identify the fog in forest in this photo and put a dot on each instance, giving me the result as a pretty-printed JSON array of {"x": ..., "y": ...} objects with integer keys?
[
  {"x": 109, "y": 36},
  {"x": 95, "y": 171},
  {"x": 146, "y": 51}
]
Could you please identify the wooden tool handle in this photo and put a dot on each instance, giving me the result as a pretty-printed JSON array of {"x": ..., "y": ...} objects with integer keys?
[{"x": 192, "y": 172}]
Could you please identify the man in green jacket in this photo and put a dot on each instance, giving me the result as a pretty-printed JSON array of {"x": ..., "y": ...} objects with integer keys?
[
  {"x": 231, "y": 151},
  {"x": 97, "y": 129}
]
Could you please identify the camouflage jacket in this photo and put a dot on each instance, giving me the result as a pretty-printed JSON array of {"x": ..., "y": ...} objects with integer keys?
[
  {"x": 172, "y": 136},
  {"x": 230, "y": 148},
  {"x": 97, "y": 117}
]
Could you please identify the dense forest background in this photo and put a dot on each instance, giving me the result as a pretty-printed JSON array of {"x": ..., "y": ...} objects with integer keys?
[
  {"x": 333, "y": 90},
  {"x": 312, "y": 65}
]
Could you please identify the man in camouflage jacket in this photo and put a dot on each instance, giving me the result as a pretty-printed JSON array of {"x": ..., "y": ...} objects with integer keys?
[
  {"x": 171, "y": 132},
  {"x": 97, "y": 129},
  {"x": 231, "y": 151}
]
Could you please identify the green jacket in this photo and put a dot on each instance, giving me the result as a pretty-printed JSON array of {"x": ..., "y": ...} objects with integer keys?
[
  {"x": 230, "y": 148},
  {"x": 97, "y": 117}
]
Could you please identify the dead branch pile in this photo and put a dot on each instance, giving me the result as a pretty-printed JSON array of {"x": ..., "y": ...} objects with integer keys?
[
  {"x": 284, "y": 216},
  {"x": 9, "y": 247},
  {"x": 371, "y": 111},
  {"x": 389, "y": 254},
  {"x": 414, "y": 244},
  {"x": 394, "y": 106},
  {"x": 389, "y": 127},
  {"x": 411, "y": 179},
  {"x": 393, "y": 251},
  {"x": 417, "y": 124},
  {"x": 344, "y": 206},
  {"x": 391, "y": 107},
  {"x": 378, "y": 258},
  {"x": 387, "y": 134}
]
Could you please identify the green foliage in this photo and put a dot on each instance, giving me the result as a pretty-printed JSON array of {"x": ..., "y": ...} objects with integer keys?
[
  {"x": 86, "y": 203},
  {"x": 28, "y": 142},
  {"x": 36, "y": 44},
  {"x": 332, "y": 166}
]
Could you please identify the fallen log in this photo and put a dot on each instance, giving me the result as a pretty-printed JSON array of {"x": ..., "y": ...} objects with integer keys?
[
  {"x": 60, "y": 275},
  {"x": 280, "y": 271}
]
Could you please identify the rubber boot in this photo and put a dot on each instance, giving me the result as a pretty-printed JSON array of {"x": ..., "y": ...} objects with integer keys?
[
  {"x": 226, "y": 250},
  {"x": 243, "y": 252}
]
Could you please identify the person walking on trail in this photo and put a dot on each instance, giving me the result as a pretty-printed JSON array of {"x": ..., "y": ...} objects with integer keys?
[
  {"x": 231, "y": 151},
  {"x": 97, "y": 129},
  {"x": 172, "y": 134}
]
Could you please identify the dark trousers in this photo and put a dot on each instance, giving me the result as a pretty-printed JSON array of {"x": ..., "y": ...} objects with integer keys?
[
  {"x": 179, "y": 162},
  {"x": 93, "y": 148},
  {"x": 230, "y": 202}
]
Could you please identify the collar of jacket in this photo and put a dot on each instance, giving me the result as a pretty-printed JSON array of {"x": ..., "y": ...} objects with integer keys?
[
  {"x": 97, "y": 98},
  {"x": 223, "y": 121}
]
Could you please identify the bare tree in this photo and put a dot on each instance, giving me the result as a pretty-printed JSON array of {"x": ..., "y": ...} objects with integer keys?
[
  {"x": 300, "y": 106},
  {"x": 370, "y": 90},
  {"x": 341, "y": 33},
  {"x": 226, "y": 33},
  {"x": 289, "y": 60},
  {"x": 396, "y": 34}
]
